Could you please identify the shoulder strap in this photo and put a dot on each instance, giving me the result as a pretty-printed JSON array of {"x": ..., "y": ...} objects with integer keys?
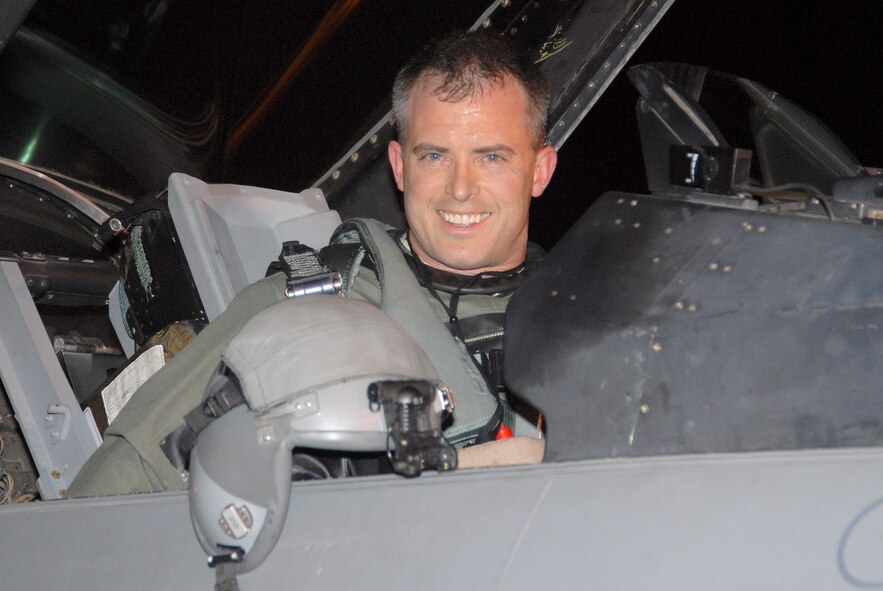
[{"x": 405, "y": 302}]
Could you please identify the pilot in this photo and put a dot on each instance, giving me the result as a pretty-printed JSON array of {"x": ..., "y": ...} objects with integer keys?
[{"x": 471, "y": 155}]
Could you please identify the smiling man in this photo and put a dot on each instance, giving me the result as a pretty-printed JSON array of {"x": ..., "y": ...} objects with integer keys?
[{"x": 471, "y": 154}]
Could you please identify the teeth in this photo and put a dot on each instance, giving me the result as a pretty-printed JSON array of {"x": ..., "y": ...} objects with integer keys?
[{"x": 464, "y": 219}]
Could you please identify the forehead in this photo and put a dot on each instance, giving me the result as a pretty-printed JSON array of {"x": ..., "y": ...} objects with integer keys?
[{"x": 503, "y": 99}]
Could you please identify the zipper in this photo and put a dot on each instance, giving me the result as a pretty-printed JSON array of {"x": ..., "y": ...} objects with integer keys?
[{"x": 484, "y": 337}]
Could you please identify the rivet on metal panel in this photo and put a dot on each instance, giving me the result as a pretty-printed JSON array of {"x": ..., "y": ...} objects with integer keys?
[
  {"x": 62, "y": 492},
  {"x": 633, "y": 202},
  {"x": 679, "y": 305},
  {"x": 505, "y": 3},
  {"x": 513, "y": 31},
  {"x": 354, "y": 157},
  {"x": 554, "y": 293},
  {"x": 712, "y": 267},
  {"x": 620, "y": 201},
  {"x": 486, "y": 23},
  {"x": 853, "y": 205},
  {"x": 576, "y": 104},
  {"x": 561, "y": 124},
  {"x": 335, "y": 175},
  {"x": 814, "y": 201},
  {"x": 692, "y": 308},
  {"x": 392, "y": 120},
  {"x": 617, "y": 222},
  {"x": 591, "y": 85},
  {"x": 747, "y": 227},
  {"x": 636, "y": 225},
  {"x": 645, "y": 408},
  {"x": 524, "y": 18},
  {"x": 572, "y": 297},
  {"x": 728, "y": 268},
  {"x": 606, "y": 65},
  {"x": 653, "y": 5},
  {"x": 657, "y": 347},
  {"x": 56, "y": 474},
  {"x": 761, "y": 229},
  {"x": 655, "y": 260},
  {"x": 637, "y": 25},
  {"x": 668, "y": 230},
  {"x": 373, "y": 139}
]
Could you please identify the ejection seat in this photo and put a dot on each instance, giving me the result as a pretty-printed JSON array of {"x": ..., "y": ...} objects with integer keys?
[{"x": 227, "y": 235}]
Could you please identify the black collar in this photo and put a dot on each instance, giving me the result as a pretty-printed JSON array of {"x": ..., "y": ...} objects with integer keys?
[{"x": 487, "y": 283}]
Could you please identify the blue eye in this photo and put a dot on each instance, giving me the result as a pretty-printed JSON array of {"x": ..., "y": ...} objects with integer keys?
[
  {"x": 493, "y": 158},
  {"x": 433, "y": 156}
]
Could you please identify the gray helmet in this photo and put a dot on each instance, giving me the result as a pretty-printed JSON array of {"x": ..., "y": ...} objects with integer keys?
[{"x": 304, "y": 368}]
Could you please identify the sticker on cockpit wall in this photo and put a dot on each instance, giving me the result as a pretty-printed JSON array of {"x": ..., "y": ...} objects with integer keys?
[{"x": 116, "y": 394}]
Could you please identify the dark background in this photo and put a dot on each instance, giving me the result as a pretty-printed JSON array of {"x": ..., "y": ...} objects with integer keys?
[
  {"x": 826, "y": 56},
  {"x": 193, "y": 57}
]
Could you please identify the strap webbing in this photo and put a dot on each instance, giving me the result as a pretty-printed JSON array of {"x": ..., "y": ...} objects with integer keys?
[{"x": 405, "y": 302}]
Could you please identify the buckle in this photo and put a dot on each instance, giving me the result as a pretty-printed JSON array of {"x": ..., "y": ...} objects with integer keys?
[{"x": 329, "y": 283}]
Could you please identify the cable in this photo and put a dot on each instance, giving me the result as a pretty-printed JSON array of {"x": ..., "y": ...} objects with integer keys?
[
  {"x": 7, "y": 483},
  {"x": 805, "y": 188}
]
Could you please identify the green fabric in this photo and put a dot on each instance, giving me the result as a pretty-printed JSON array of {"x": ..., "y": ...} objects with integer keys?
[
  {"x": 131, "y": 461},
  {"x": 406, "y": 302}
]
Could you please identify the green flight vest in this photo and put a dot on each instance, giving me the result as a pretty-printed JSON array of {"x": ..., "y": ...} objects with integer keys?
[{"x": 130, "y": 460}]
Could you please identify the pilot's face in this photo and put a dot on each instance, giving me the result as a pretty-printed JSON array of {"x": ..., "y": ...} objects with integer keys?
[{"x": 468, "y": 171}]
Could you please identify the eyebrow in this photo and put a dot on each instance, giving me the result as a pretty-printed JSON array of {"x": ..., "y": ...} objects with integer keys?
[
  {"x": 430, "y": 148},
  {"x": 481, "y": 150},
  {"x": 494, "y": 148}
]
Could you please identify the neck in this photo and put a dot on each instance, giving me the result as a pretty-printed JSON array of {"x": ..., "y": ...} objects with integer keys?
[{"x": 486, "y": 282}]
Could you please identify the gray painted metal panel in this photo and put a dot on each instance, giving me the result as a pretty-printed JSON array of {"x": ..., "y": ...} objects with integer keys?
[
  {"x": 789, "y": 520},
  {"x": 58, "y": 434},
  {"x": 672, "y": 326}
]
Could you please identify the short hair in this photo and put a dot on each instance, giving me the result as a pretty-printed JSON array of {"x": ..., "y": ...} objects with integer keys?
[{"x": 466, "y": 62}]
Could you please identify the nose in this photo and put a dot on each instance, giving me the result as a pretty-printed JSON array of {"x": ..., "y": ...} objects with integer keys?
[{"x": 462, "y": 185}]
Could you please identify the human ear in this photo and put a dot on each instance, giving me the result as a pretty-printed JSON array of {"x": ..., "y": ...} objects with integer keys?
[
  {"x": 547, "y": 159},
  {"x": 394, "y": 152}
]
